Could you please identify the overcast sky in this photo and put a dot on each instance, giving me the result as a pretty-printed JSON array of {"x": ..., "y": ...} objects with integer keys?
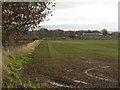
[{"x": 85, "y": 12}]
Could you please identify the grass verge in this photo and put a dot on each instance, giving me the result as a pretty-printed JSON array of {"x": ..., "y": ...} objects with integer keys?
[{"x": 13, "y": 63}]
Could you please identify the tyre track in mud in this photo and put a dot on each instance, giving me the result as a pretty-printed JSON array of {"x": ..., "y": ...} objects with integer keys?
[
  {"x": 86, "y": 83},
  {"x": 87, "y": 72}
]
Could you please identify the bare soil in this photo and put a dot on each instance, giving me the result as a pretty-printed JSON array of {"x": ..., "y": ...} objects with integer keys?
[{"x": 77, "y": 74}]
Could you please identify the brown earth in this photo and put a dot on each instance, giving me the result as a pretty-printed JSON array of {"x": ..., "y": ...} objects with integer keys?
[{"x": 72, "y": 73}]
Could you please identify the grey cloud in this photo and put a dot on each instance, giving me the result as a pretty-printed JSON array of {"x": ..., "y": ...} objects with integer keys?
[{"x": 67, "y": 4}]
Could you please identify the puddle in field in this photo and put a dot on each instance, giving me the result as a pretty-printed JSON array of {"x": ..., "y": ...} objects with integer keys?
[
  {"x": 78, "y": 81},
  {"x": 58, "y": 84},
  {"x": 105, "y": 67},
  {"x": 87, "y": 72},
  {"x": 62, "y": 84},
  {"x": 69, "y": 70}
]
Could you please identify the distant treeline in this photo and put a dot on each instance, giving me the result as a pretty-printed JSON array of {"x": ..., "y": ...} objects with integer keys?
[{"x": 43, "y": 32}]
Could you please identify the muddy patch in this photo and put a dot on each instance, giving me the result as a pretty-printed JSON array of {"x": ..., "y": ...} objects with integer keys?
[{"x": 83, "y": 74}]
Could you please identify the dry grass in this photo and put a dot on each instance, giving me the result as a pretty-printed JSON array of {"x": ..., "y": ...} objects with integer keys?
[
  {"x": 30, "y": 47},
  {"x": 14, "y": 56},
  {"x": 24, "y": 49}
]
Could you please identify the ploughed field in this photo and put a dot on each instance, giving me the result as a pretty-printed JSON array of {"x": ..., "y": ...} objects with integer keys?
[{"x": 74, "y": 64}]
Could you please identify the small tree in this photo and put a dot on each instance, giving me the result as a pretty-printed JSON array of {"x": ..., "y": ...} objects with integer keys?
[
  {"x": 104, "y": 32},
  {"x": 19, "y": 16}
]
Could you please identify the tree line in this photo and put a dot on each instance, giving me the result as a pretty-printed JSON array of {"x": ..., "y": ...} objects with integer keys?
[{"x": 45, "y": 33}]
